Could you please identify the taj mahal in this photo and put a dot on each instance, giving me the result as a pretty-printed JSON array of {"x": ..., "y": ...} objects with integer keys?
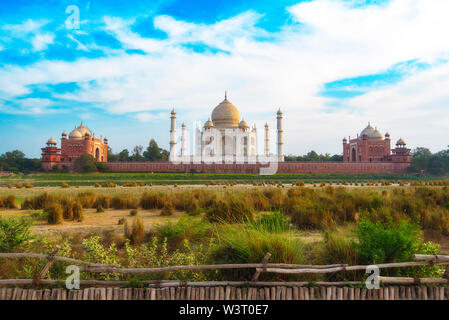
[
  {"x": 225, "y": 138},
  {"x": 226, "y": 143}
]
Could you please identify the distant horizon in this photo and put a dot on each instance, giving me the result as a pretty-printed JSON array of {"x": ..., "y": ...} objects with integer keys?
[{"x": 332, "y": 66}]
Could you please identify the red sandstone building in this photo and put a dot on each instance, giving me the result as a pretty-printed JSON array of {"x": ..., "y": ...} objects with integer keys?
[
  {"x": 370, "y": 146},
  {"x": 80, "y": 141}
]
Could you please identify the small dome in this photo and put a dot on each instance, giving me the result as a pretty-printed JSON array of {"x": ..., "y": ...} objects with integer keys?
[
  {"x": 243, "y": 124},
  {"x": 400, "y": 142},
  {"x": 64, "y": 134},
  {"x": 51, "y": 141},
  {"x": 208, "y": 124},
  {"x": 75, "y": 134},
  {"x": 225, "y": 115}
]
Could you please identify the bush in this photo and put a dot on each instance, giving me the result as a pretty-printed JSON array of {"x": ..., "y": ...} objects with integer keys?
[
  {"x": 100, "y": 208},
  {"x": 39, "y": 202},
  {"x": 133, "y": 212},
  {"x": 54, "y": 214},
  {"x": 230, "y": 208},
  {"x": 124, "y": 202},
  {"x": 14, "y": 233},
  {"x": 167, "y": 209},
  {"x": 239, "y": 244},
  {"x": 386, "y": 242},
  {"x": 65, "y": 185},
  {"x": 340, "y": 249},
  {"x": 274, "y": 222},
  {"x": 102, "y": 167},
  {"x": 137, "y": 234},
  {"x": 67, "y": 208},
  {"x": 78, "y": 213},
  {"x": 8, "y": 202}
]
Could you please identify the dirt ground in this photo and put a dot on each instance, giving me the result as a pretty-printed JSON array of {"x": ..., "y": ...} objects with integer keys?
[{"x": 96, "y": 221}]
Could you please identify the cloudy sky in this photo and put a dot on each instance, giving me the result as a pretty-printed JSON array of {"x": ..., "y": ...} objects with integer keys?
[{"x": 330, "y": 65}]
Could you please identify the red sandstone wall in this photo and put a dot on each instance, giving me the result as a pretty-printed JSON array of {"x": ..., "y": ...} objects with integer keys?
[{"x": 284, "y": 167}]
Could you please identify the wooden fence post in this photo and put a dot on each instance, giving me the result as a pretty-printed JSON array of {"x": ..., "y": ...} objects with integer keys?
[
  {"x": 50, "y": 261},
  {"x": 264, "y": 263}
]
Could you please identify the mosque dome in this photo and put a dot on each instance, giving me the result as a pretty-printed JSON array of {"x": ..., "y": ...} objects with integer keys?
[
  {"x": 225, "y": 115},
  {"x": 75, "y": 134},
  {"x": 371, "y": 133},
  {"x": 51, "y": 141},
  {"x": 80, "y": 132},
  {"x": 401, "y": 142}
]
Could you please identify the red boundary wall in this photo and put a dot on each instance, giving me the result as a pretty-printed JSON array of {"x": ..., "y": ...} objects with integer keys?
[{"x": 283, "y": 167}]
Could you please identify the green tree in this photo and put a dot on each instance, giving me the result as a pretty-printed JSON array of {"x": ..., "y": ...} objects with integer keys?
[
  {"x": 123, "y": 156},
  {"x": 112, "y": 157},
  {"x": 85, "y": 163},
  {"x": 153, "y": 152}
]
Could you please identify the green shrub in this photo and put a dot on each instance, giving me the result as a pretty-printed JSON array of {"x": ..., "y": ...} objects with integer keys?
[
  {"x": 240, "y": 244},
  {"x": 14, "y": 233},
  {"x": 273, "y": 222},
  {"x": 386, "y": 242},
  {"x": 339, "y": 249}
]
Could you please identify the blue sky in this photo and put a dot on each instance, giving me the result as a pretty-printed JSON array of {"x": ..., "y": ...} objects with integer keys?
[{"x": 330, "y": 65}]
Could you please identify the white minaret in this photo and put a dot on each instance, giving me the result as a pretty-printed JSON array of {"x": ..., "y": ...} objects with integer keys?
[
  {"x": 267, "y": 140},
  {"x": 173, "y": 136},
  {"x": 183, "y": 141},
  {"x": 280, "y": 142}
]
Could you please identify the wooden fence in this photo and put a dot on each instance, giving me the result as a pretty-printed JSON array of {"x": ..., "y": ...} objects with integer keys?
[
  {"x": 411, "y": 288},
  {"x": 285, "y": 292}
]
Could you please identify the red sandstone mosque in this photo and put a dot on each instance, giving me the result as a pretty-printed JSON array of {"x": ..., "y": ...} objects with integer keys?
[
  {"x": 80, "y": 141},
  {"x": 370, "y": 146}
]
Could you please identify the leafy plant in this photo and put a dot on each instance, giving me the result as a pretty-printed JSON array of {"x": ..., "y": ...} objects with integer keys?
[{"x": 14, "y": 233}]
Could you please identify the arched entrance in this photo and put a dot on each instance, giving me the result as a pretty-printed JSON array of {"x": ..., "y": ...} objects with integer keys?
[
  {"x": 97, "y": 154},
  {"x": 354, "y": 156}
]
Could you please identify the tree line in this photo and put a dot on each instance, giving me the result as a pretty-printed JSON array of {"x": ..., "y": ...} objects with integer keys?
[
  {"x": 313, "y": 156},
  {"x": 423, "y": 160},
  {"x": 152, "y": 153}
]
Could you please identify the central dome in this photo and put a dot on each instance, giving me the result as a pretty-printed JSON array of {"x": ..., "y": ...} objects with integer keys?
[
  {"x": 225, "y": 115},
  {"x": 371, "y": 133}
]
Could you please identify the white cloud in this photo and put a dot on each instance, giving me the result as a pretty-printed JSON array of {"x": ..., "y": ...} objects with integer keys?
[
  {"x": 28, "y": 26},
  {"x": 333, "y": 41},
  {"x": 41, "y": 41}
]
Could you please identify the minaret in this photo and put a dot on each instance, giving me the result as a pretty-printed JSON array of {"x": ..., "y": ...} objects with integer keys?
[
  {"x": 280, "y": 143},
  {"x": 173, "y": 136},
  {"x": 267, "y": 140},
  {"x": 183, "y": 141}
]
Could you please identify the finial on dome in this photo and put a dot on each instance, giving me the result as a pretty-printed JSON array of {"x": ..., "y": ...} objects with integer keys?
[{"x": 226, "y": 95}]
